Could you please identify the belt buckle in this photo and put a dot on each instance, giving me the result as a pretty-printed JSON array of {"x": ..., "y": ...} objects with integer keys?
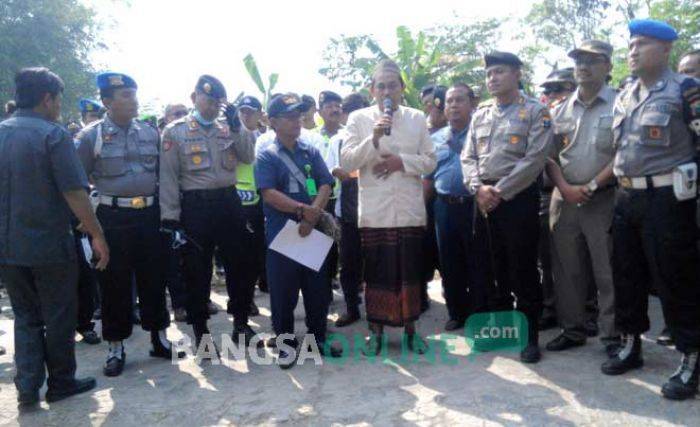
[
  {"x": 625, "y": 182},
  {"x": 138, "y": 202}
]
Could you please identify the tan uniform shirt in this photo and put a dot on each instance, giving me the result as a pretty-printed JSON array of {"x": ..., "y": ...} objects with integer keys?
[
  {"x": 583, "y": 135},
  {"x": 194, "y": 157},
  {"x": 507, "y": 145},
  {"x": 650, "y": 134},
  {"x": 396, "y": 201}
]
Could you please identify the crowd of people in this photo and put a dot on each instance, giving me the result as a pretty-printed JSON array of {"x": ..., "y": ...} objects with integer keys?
[{"x": 571, "y": 209}]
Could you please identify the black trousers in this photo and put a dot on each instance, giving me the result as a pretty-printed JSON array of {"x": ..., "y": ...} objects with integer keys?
[
  {"x": 251, "y": 262},
  {"x": 171, "y": 264},
  {"x": 44, "y": 302},
  {"x": 213, "y": 219},
  {"x": 333, "y": 254},
  {"x": 654, "y": 239},
  {"x": 255, "y": 225},
  {"x": 464, "y": 294},
  {"x": 351, "y": 265},
  {"x": 135, "y": 253},
  {"x": 508, "y": 238},
  {"x": 87, "y": 288}
]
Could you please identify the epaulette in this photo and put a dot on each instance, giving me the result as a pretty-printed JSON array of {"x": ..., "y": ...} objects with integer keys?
[{"x": 484, "y": 104}]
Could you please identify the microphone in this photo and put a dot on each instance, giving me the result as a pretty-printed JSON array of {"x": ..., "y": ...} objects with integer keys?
[{"x": 388, "y": 112}]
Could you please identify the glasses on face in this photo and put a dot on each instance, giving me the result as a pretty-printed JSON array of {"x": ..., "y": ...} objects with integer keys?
[{"x": 589, "y": 60}]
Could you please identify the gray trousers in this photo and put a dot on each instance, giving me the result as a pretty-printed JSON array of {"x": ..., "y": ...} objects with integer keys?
[
  {"x": 44, "y": 302},
  {"x": 582, "y": 245}
]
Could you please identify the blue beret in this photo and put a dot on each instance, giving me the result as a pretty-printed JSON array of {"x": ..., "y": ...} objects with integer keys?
[
  {"x": 652, "y": 28},
  {"x": 88, "y": 106},
  {"x": 115, "y": 80}
]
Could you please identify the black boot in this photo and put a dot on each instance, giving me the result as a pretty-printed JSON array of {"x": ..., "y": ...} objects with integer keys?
[
  {"x": 161, "y": 349},
  {"x": 115, "y": 361},
  {"x": 628, "y": 357},
  {"x": 248, "y": 334},
  {"x": 201, "y": 329},
  {"x": 683, "y": 384}
]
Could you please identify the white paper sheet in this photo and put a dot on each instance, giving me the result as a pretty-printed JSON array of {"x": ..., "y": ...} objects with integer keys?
[{"x": 309, "y": 251}]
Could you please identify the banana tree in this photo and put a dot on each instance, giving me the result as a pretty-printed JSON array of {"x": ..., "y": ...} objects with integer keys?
[{"x": 252, "y": 67}]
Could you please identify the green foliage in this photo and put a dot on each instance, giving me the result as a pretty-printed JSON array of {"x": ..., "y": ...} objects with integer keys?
[
  {"x": 252, "y": 67},
  {"x": 58, "y": 34}
]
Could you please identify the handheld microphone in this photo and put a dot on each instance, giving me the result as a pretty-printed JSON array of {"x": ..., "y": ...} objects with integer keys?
[{"x": 388, "y": 112}]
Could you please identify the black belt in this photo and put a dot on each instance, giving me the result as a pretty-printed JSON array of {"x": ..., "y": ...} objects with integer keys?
[
  {"x": 214, "y": 194},
  {"x": 454, "y": 200}
]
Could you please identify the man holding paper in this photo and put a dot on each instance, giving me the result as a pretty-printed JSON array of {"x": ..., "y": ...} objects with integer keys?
[{"x": 295, "y": 185}]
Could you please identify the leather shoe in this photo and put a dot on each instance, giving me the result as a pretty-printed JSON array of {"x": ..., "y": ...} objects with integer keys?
[
  {"x": 683, "y": 384},
  {"x": 373, "y": 345},
  {"x": 248, "y": 334},
  {"x": 562, "y": 342},
  {"x": 284, "y": 359},
  {"x": 454, "y": 324},
  {"x": 416, "y": 344},
  {"x": 628, "y": 357},
  {"x": 80, "y": 385},
  {"x": 347, "y": 319},
  {"x": 253, "y": 310},
  {"x": 90, "y": 337},
  {"x": 114, "y": 366},
  {"x": 332, "y": 352},
  {"x": 530, "y": 354}
]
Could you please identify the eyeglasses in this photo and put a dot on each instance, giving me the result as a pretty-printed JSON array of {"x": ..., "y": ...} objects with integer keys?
[{"x": 589, "y": 60}]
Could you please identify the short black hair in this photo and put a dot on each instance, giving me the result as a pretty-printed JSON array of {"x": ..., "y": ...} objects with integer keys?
[
  {"x": 32, "y": 84},
  {"x": 470, "y": 91},
  {"x": 309, "y": 101},
  {"x": 353, "y": 102}
]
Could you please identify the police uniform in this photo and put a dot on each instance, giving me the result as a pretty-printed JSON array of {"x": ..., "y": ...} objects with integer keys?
[
  {"x": 285, "y": 276},
  {"x": 654, "y": 231},
  {"x": 580, "y": 233},
  {"x": 507, "y": 148},
  {"x": 198, "y": 192}
]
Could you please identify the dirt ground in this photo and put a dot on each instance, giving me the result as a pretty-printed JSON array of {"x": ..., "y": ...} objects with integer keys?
[{"x": 565, "y": 388}]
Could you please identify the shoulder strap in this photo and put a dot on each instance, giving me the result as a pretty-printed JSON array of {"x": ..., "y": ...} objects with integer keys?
[
  {"x": 293, "y": 169},
  {"x": 98, "y": 140}
]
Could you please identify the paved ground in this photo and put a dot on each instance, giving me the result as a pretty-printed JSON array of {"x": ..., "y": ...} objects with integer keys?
[{"x": 486, "y": 389}]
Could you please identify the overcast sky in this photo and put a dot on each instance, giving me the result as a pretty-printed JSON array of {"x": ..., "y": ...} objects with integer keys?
[{"x": 166, "y": 45}]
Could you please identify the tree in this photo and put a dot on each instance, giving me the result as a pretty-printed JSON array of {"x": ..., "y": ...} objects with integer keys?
[
  {"x": 58, "y": 34},
  {"x": 252, "y": 67},
  {"x": 443, "y": 55}
]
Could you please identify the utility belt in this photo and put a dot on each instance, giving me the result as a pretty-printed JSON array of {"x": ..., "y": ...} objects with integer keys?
[
  {"x": 139, "y": 202},
  {"x": 454, "y": 200},
  {"x": 213, "y": 194},
  {"x": 644, "y": 182},
  {"x": 683, "y": 179}
]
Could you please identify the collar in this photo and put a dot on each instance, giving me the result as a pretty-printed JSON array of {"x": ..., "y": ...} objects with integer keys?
[
  {"x": 605, "y": 94},
  {"x": 659, "y": 85},
  {"x": 299, "y": 146}
]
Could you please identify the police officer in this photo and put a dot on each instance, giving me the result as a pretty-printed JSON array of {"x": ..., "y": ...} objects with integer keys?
[
  {"x": 90, "y": 111},
  {"x": 558, "y": 86},
  {"x": 656, "y": 124},
  {"x": 505, "y": 153},
  {"x": 198, "y": 194},
  {"x": 582, "y": 204},
  {"x": 453, "y": 206},
  {"x": 690, "y": 64},
  {"x": 120, "y": 155},
  {"x": 287, "y": 195}
]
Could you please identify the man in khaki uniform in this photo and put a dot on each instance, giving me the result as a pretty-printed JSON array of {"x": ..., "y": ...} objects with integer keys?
[
  {"x": 582, "y": 203},
  {"x": 505, "y": 153},
  {"x": 198, "y": 194}
]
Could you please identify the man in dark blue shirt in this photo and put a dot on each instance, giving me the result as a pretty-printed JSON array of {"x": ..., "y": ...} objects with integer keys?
[
  {"x": 454, "y": 210},
  {"x": 289, "y": 196},
  {"x": 42, "y": 181}
]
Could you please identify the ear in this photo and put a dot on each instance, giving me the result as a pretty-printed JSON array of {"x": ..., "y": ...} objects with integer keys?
[{"x": 47, "y": 100}]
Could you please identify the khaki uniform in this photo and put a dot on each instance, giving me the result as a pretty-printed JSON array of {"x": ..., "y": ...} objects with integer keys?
[{"x": 581, "y": 240}]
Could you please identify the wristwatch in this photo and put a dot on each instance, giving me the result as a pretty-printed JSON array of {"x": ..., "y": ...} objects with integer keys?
[{"x": 592, "y": 186}]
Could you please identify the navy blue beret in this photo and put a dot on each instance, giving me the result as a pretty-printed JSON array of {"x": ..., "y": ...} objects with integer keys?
[{"x": 115, "y": 80}]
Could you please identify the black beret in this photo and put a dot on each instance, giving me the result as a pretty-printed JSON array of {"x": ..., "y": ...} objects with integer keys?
[
  {"x": 210, "y": 85},
  {"x": 502, "y": 58}
]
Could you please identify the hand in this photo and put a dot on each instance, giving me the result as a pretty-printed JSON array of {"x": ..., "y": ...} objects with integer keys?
[
  {"x": 340, "y": 174},
  {"x": 391, "y": 163},
  {"x": 231, "y": 114},
  {"x": 305, "y": 228},
  {"x": 311, "y": 214},
  {"x": 380, "y": 126},
  {"x": 576, "y": 194},
  {"x": 488, "y": 198},
  {"x": 100, "y": 251}
]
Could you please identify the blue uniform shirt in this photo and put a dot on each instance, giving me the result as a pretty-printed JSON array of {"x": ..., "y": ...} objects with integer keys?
[
  {"x": 272, "y": 173},
  {"x": 38, "y": 163},
  {"x": 448, "y": 173}
]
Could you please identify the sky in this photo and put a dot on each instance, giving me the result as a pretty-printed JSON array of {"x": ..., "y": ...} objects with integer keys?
[{"x": 166, "y": 45}]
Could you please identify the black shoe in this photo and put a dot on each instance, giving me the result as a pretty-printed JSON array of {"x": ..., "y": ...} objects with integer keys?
[
  {"x": 180, "y": 315},
  {"x": 530, "y": 354},
  {"x": 612, "y": 346},
  {"x": 347, "y": 319},
  {"x": 628, "y": 356},
  {"x": 284, "y": 359},
  {"x": 271, "y": 342},
  {"x": 562, "y": 342},
  {"x": 548, "y": 322},
  {"x": 373, "y": 345},
  {"x": 80, "y": 385},
  {"x": 248, "y": 334},
  {"x": 136, "y": 317},
  {"x": 212, "y": 308},
  {"x": 416, "y": 344},
  {"x": 114, "y": 365},
  {"x": 665, "y": 338},
  {"x": 591, "y": 328},
  {"x": 332, "y": 352},
  {"x": 683, "y": 384},
  {"x": 253, "y": 310},
  {"x": 90, "y": 337},
  {"x": 262, "y": 285},
  {"x": 454, "y": 324},
  {"x": 28, "y": 398},
  {"x": 159, "y": 350}
]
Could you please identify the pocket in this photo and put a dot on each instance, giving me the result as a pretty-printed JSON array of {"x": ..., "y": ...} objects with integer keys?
[
  {"x": 197, "y": 157},
  {"x": 516, "y": 139},
  {"x": 113, "y": 160},
  {"x": 149, "y": 154},
  {"x": 604, "y": 133},
  {"x": 228, "y": 157},
  {"x": 655, "y": 129}
]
